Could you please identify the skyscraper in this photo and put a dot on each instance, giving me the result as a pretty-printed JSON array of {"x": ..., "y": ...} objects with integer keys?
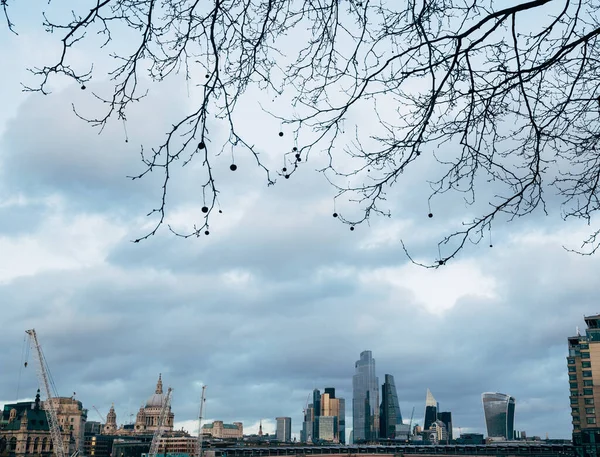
[
  {"x": 336, "y": 408},
  {"x": 584, "y": 379},
  {"x": 499, "y": 411},
  {"x": 316, "y": 413},
  {"x": 430, "y": 411},
  {"x": 365, "y": 399},
  {"x": 390, "y": 414},
  {"x": 284, "y": 429},
  {"x": 446, "y": 418}
]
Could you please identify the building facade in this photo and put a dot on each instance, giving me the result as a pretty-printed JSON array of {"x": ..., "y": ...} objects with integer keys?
[
  {"x": 583, "y": 362},
  {"x": 284, "y": 429},
  {"x": 390, "y": 415},
  {"x": 218, "y": 429},
  {"x": 499, "y": 412},
  {"x": 25, "y": 430},
  {"x": 365, "y": 399}
]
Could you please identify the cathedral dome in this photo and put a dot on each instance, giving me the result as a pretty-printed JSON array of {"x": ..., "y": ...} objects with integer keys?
[{"x": 157, "y": 399}]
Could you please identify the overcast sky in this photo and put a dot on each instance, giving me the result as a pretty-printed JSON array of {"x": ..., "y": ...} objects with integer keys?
[{"x": 280, "y": 299}]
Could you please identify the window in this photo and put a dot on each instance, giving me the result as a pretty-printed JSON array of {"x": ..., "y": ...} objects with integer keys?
[
  {"x": 591, "y": 420},
  {"x": 575, "y": 410},
  {"x": 589, "y": 401},
  {"x": 585, "y": 355},
  {"x": 586, "y": 364},
  {"x": 570, "y": 360},
  {"x": 584, "y": 346},
  {"x": 590, "y": 410},
  {"x": 571, "y": 369},
  {"x": 588, "y": 382},
  {"x": 574, "y": 400},
  {"x": 587, "y": 373},
  {"x": 588, "y": 391},
  {"x": 575, "y": 418},
  {"x": 573, "y": 385},
  {"x": 572, "y": 377}
]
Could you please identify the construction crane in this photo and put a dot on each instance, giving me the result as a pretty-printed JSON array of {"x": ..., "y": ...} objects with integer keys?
[
  {"x": 160, "y": 426},
  {"x": 202, "y": 400},
  {"x": 49, "y": 406},
  {"x": 100, "y": 415}
]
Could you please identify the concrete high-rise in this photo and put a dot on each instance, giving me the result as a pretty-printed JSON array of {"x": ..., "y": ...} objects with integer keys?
[
  {"x": 390, "y": 415},
  {"x": 583, "y": 363},
  {"x": 284, "y": 429},
  {"x": 499, "y": 411},
  {"x": 430, "y": 411},
  {"x": 365, "y": 399}
]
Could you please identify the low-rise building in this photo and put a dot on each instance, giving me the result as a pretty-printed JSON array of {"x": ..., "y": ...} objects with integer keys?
[{"x": 218, "y": 429}]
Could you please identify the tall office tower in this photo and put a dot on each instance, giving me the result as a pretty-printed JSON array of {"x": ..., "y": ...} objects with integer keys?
[
  {"x": 390, "y": 414},
  {"x": 446, "y": 418},
  {"x": 284, "y": 429},
  {"x": 306, "y": 434},
  {"x": 584, "y": 380},
  {"x": 499, "y": 411},
  {"x": 334, "y": 407},
  {"x": 316, "y": 413},
  {"x": 365, "y": 399},
  {"x": 430, "y": 411}
]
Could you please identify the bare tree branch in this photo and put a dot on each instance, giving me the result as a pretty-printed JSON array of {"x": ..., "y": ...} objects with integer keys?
[{"x": 506, "y": 100}]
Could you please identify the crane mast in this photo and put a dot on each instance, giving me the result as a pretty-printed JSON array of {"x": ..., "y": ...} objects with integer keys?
[
  {"x": 161, "y": 420},
  {"x": 49, "y": 406},
  {"x": 202, "y": 400}
]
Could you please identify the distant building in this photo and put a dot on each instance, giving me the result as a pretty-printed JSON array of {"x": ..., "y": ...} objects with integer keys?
[
  {"x": 327, "y": 427},
  {"x": 499, "y": 411},
  {"x": 328, "y": 406},
  {"x": 430, "y": 410},
  {"x": 146, "y": 421},
  {"x": 284, "y": 429},
  {"x": 224, "y": 431},
  {"x": 446, "y": 418},
  {"x": 437, "y": 433},
  {"x": 470, "y": 438},
  {"x": 365, "y": 399},
  {"x": 390, "y": 416}
]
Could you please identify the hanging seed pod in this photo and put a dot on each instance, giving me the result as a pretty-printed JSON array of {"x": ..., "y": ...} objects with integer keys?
[
  {"x": 205, "y": 209},
  {"x": 233, "y": 167}
]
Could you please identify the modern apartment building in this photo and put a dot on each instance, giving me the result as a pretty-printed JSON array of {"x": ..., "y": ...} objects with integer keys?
[
  {"x": 499, "y": 411},
  {"x": 365, "y": 399},
  {"x": 583, "y": 362}
]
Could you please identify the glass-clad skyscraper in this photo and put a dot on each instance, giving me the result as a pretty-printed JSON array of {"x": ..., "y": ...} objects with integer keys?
[
  {"x": 390, "y": 414},
  {"x": 430, "y": 411},
  {"x": 365, "y": 399},
  {"x": 499, "y": 411}
]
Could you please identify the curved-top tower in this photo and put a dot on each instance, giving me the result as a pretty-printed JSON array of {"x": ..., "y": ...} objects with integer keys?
[{"x": 499, "y": 411}]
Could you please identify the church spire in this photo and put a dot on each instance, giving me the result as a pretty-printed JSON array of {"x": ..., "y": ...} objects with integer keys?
[
  {"x": 260, "y": 432},
  {"x": 159, "y": 387}
]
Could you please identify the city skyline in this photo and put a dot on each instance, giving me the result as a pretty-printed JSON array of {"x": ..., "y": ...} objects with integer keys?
[{"x": 280, "y": 298}]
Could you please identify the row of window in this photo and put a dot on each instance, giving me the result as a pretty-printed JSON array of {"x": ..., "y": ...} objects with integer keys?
[
  {"x": 587, "y": 410},
  {"x": 589, "y": 420},
  {"x": 584, "y": 363},
  {"x": 587, "y": 401},
  {"x": 586, "y": 383}
]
